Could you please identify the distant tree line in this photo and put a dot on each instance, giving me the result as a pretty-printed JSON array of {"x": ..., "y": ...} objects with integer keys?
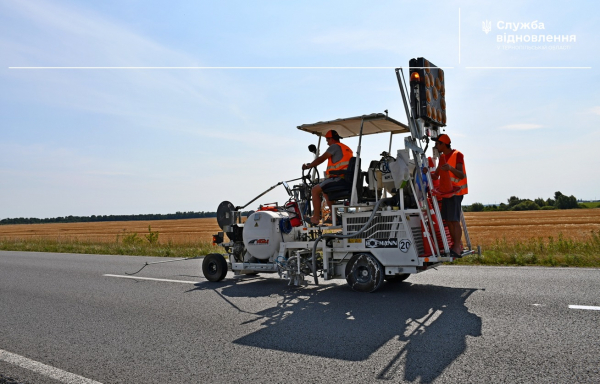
[
  {"x": 93, "y": 218},
  {"x": 560, "y": 201}
]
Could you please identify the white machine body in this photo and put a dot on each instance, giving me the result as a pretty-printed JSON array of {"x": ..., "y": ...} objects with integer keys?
[{"x": 263, "y": 234}]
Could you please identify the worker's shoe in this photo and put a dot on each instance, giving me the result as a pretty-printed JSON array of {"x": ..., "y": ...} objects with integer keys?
[
  {"x": 313, "y": 220},
  {"x": 454, "y": 254},
  {"x": 338, "y": 220}
]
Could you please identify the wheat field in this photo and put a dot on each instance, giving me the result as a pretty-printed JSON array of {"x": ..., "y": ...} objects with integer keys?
[
  {"x": 484, "y": 228},
  {"x": 574, "y": 224},
  {"x": 183, "y": 231}
]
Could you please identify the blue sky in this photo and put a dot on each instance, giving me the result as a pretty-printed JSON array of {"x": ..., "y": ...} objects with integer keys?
[{"x": 131, "y": 141}]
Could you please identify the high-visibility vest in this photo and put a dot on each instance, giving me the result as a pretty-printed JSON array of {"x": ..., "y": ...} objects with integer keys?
[
  {"x": 462, "y": 183},
  {"x": 342, "y": 164}
]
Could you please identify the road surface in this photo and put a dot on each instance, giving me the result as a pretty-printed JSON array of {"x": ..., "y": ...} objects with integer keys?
[{"x": 75, "y": 319}]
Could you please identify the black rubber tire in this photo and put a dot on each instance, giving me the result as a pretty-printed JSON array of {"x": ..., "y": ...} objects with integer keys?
[
  {"x": 397, "y": 278},
  {"x": 214, "y": 267},
  {"x": 364, "y": 273}
]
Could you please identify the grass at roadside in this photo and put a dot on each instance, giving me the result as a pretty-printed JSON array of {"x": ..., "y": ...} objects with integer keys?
[
  {"x": 540, "y": 251},
  {"x": 595, "y": 204},
  {"x": 535, "y": 251},
  {"x": 67, "y": 245}
]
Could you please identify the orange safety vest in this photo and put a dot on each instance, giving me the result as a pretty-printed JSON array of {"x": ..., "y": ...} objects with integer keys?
[
  {"x": 342, "y": 164},
  {"x": 464, "y": 188}
]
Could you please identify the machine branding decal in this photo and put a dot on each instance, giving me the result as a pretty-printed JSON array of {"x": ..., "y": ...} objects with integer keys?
[
  {"x": 259, "y": 242},
  {"x": 404, "y": 245},
  {"x": 383, "y": 243}
]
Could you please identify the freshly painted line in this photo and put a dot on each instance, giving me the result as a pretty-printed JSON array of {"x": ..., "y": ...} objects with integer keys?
[
  {"x": 152, "y": 279},
  {"x": 514, "y": 267},
  {"x": 43, "y": 369},
  {"x": 584, "y": 307}
]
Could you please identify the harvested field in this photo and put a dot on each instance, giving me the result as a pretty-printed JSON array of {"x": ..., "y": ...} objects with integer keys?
[
  {"x": 484, "y": 227},
  {"x": 574, "y": 224},
  {"x": 183, "y": 231}
]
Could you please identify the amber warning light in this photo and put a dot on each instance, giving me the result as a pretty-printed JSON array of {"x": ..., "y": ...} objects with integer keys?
[
  {"x": 414, "y": 78},
  {"x": 427, "y": 97}
]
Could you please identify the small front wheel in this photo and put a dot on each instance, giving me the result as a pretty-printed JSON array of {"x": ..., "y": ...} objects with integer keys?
[
  {"x": 214, "y": 267},
  {"x": 364, "y": 273}
]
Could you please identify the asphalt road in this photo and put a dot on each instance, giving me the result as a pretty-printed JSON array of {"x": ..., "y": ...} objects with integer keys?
[{"x": 63, "y": 320}]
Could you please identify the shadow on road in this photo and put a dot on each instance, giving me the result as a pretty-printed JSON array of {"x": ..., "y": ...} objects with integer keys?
[{"x": 418, "y": 330}]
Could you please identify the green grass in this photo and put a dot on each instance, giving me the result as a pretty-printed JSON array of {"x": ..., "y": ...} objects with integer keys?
[
  {"x": 536, "y": 251},
  {"x": 595, "y": 204},
  {"x": 540, "y": 251},
  {"x": 133, "y": 248}
]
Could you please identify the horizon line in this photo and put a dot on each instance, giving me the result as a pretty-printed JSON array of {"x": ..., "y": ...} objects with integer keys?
[
  {"x": 394, "y": 67},
  {"x": 528, "y": 67}
]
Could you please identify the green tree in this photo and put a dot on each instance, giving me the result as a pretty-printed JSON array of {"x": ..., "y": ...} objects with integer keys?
[
  {"x": 566, "y": 202},
  {"x": 557, "y": 194},
  {"x": 476, "y": 207},
  {"x": 526, "y": 205},
  {"x": 512, "y": 201}
]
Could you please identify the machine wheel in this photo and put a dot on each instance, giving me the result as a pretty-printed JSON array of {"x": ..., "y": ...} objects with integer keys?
[
  {"x": 364, "y": 273},
  {"x": 397, "y": 278},
  {"x": 214, "y": 267}
]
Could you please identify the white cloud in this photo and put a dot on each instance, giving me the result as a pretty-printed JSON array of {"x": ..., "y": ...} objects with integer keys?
[
  {"x": 521, "y": 127},
  {"x": 595, "y": 110}
]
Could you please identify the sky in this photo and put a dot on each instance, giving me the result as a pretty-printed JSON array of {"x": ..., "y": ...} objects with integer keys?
[{"x": 120, "y": 139}]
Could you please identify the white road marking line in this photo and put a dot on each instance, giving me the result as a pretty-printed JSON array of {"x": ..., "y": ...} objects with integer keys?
[
  {"x": 43, "y": 369},
  {"x": 152, "y": 279},
  {"x": 584, "y": 307}
]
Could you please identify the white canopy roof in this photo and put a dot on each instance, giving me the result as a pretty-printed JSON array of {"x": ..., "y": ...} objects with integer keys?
[{"x": 350, "y": 127}]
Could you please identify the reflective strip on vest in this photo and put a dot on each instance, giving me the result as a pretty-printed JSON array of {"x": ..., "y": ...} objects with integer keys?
[
  {"x": 462, "y": 183},
  {"x": 343, "y": 163}
]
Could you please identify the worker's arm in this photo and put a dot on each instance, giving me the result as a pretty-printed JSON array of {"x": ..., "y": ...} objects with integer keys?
[
  {"x": 317, "y": 161},
  {"x": 458, "y": 171}
]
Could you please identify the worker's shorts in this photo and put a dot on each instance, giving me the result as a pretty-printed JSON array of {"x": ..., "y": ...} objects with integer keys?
[
  {"x": 333, "y": 182},
  {"x": 451, "y": 208}
]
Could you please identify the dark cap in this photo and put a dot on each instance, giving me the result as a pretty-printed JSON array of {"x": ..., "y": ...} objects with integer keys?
[
  {"x": 443, "y": 139},
  {"x": 332, "y": 134}
]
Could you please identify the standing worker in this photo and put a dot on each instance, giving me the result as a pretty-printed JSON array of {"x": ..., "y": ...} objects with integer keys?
[
  {"x": 451, "y": 206},
  {"x": 338, "y": 157}
]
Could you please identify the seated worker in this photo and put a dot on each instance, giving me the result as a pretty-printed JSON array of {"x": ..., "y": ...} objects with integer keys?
[{"x": 338, "y": 156}]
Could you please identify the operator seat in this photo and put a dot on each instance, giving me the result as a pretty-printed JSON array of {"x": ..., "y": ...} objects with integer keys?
[{"x": 342, "y": 190}]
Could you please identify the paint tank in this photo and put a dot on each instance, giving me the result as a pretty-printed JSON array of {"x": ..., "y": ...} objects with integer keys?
[{"x": 262, "y": 235}]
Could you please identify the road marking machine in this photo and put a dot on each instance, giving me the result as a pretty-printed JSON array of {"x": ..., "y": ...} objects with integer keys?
[{"x": 386, "y": 221}]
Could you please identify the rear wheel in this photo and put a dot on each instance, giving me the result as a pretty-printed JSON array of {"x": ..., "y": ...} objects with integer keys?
[
  {"x": 364, "y": 273},
  {"x": 214, "y": 267},
  {"x": 397, "y": 278}
]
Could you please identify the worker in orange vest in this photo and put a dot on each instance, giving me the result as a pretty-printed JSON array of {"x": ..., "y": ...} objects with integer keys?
[
  {"x": 451, "y": 206},
  {"x": 338, "y": 157}
]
